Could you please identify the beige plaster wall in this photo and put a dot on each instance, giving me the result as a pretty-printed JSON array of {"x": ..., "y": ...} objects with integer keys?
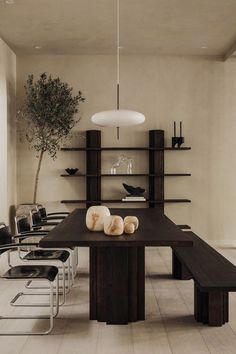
[
  {"x": 7, "y": 131},
  {"x": 222, "y": 159},
  {"x": 198, "y": 91}
]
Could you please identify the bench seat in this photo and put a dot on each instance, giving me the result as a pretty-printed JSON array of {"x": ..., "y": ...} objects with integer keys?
[{"x": 214, "y": 276}]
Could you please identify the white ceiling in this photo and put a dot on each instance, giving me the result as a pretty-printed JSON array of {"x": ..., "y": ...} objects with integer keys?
[{"x": 179, "y": 27}]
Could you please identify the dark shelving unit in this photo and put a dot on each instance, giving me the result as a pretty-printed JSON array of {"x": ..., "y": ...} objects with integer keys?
[
  {"x": 93, "y": 167},
  {"x": 156, "y": 175}
]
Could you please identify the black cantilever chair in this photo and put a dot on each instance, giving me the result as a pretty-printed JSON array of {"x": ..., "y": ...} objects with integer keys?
[
  {"x": 36, "y": 221},
  {"x": 50, "y": 255},
  {"x": 43, "y": 215},
  {"x": 60, "y": 215},
  {"x": 32, "y": 272},
  {"x": 29, "y": 219},
  {"x": 41, "y": 221},
  {"x": 5, "y": 236},
  {"x": 45, "y": 224}
]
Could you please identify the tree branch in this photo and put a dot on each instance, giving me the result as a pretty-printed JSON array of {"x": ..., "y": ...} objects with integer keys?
[{"x": 37, "y": 176}]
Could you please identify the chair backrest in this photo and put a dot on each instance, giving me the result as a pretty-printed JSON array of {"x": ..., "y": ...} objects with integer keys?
[
  {"x": 25, "y": 209},
  {"x": 5, "y": 236},
  {"x": 30, "y": 212},
  {"x": 22, "y": 224},
  {"x": 36, "y": 217},
  {"x": 42, "y": 211}
]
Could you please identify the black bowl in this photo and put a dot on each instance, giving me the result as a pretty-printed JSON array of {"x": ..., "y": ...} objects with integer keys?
[{"x": 71, "y": 171}]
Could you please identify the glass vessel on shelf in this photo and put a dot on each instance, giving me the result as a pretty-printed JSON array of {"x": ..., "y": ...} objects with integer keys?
[{"x": 122, "y": 160}]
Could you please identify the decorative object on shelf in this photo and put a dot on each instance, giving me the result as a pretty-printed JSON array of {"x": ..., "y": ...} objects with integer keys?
[
  {"x": 174, "y": 138},
  {"x": 129, "y": 228},
  {"x": 134, "y": 191},
  {"x": 113, "y": 170},
  {"x": 48, "y": 115},
  {"x": 181, "y": 138},
  {"x": 177, "y": 140},
  {"x": 71, "y": 171},
  {"x": 113, "y": 225},
  {"x": 135, "y": 194},
  {"x": 133, "y": 220},
  {"x": 95, "y": 217},
  {"x": 129, "y": 198},
  {"x": 122, "y": 159},
  {"x": 119, "y": 117},
  {"x": 130, "y": 167}
]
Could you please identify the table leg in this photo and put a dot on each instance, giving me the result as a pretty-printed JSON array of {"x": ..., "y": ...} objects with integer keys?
[
  {"x": 179, "y": 271},
  {"x": 117, "y": 284}
]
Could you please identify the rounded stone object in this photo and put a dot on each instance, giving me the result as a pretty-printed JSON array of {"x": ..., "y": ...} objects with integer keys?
[
  {"x": 129, "y": 228},
  {"x": 95, "y": 217},
  {"x": 132, "y": 219},
  {"x": 113, "y": 225}
]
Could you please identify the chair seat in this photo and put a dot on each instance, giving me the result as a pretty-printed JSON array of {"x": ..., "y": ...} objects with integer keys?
[
  {"x": 32, "y": 272},
  {"x": 47, "y": 255},
  {"x": 36, "y": 227}
]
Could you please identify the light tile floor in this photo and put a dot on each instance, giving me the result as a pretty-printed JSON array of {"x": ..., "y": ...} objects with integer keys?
[{"x": 169, "y": 326}]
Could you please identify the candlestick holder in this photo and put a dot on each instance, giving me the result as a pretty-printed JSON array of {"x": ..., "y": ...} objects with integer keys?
[
  {"x": 180, "y": 141},
  {"x": 177, "y": 140}
]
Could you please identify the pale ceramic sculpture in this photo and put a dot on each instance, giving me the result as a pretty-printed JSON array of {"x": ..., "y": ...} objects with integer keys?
[
  {"x": 133, "y": 220},
  {"x": 129, "y": 228},
  {"x": 113, "y": 225},
  {"x": 95, "y": 217}
]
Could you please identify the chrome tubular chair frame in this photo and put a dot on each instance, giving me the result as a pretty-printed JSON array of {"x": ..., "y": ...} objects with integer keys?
[
  {"x": 24, "y": 223},
  {"x": 51, "y": 315},
  {"x": 65, "y": 288}
]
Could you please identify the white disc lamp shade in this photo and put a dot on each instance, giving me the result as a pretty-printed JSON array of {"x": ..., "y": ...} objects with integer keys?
[{"x": 118, "y": 118}]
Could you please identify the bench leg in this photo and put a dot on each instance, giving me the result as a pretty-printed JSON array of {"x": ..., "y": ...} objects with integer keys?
[
  {"x": 179, "y": 271},
  {"x": 212, "y": 307}
]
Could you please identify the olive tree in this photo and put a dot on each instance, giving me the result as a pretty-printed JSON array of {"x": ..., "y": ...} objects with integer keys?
[{"x": 48, "y": 112}]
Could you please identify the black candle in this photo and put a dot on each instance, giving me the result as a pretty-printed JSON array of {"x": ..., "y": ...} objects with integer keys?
[
  {"x": 174, "y": 129},
  {"x": 180, "y": 128}
]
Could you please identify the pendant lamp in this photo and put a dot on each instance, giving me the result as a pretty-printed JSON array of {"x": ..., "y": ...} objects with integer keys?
[{"x": 118, "y": 117}]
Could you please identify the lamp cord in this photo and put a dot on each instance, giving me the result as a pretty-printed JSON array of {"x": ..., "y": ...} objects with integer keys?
[
  {"x": 118, "y": 59},
  {"x": 118, "y": 54}
]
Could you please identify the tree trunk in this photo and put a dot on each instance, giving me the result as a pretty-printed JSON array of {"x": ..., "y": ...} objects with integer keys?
[{"x": 37, "y": 176}]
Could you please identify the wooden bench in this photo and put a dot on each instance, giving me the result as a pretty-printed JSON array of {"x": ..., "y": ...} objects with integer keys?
[{"x": 214, "y": 277}]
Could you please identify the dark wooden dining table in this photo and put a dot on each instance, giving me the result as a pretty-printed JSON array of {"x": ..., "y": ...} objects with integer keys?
[{"x": 117, "y": 264}]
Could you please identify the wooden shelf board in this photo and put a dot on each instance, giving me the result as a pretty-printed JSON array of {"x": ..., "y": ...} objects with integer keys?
[
  {"x": 74, "y": 201},
  {"x": 175, "y": 149},
  {"x": 129, "y": 175},
  {"x": 124, "y": 148},
  {"x": 75, "y": 175},
  {"x": 176, "y": 175}
]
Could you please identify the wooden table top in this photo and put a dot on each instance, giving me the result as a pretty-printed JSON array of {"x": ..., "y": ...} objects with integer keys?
[{"x": 155, "y": 229}]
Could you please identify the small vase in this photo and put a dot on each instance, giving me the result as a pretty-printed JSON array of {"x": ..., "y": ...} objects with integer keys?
[
  {"x": 113, "y": 171},
  {"x": 129, "y": 168},
  {"x": 95, "y": 217}
]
